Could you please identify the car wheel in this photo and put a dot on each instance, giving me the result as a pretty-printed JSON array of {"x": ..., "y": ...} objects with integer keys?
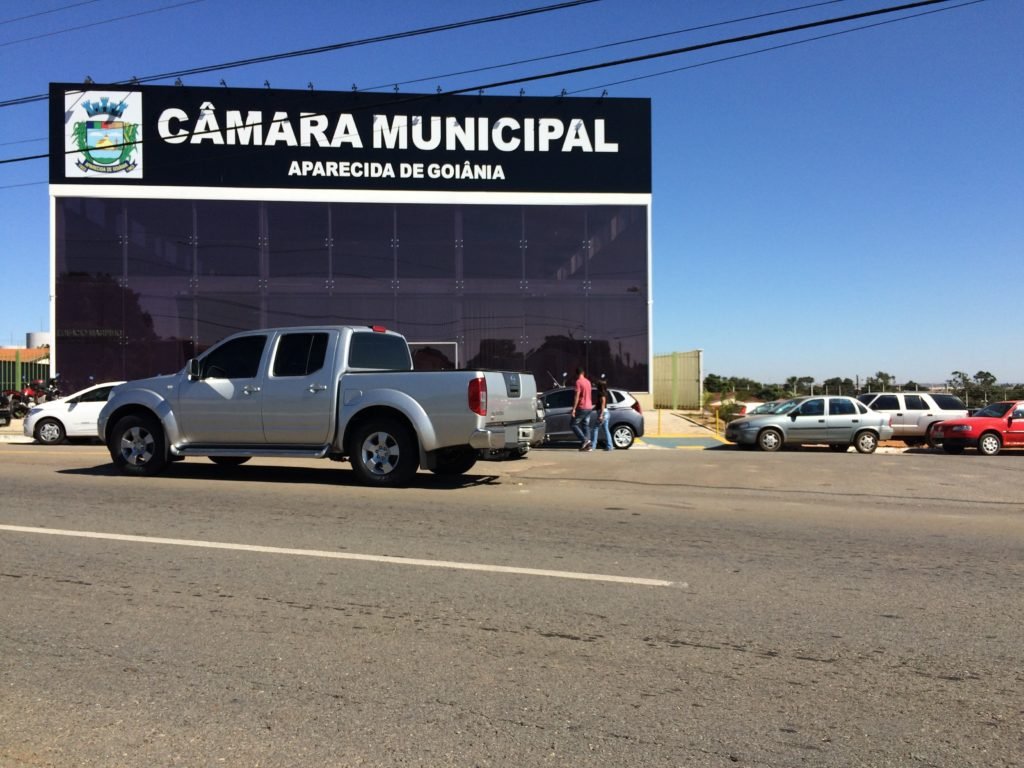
[
  {"x": 229, "y": 461},
  {"x": 50, "y": 432},
  {"x": 929, "y": 437},
  {"x": 769, "y": 440},
  {"x": 989, "y": 444},
  {"x": 455, "y": 462},
  {"x": 136, "y": 445},
  {"x": 622, "y": 436},
  {"x": 952, "y": 449},
  {"x": 865, "y": 442},
  {"x": 384, "y": 453},
  {"x": 6, "y": 421},
  {"x": 839, "y": 447}
]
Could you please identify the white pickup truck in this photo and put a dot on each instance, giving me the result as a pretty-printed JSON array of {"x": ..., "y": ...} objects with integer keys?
[{"x": 321, "y": 392}]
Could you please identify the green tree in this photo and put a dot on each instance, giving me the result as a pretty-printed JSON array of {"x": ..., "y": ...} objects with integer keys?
[
  {"x": 838, "y": 386},
  {"x": 714, "y": 383}
]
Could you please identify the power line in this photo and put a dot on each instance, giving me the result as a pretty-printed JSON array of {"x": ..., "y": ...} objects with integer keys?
[
  {"x": 647, "y": 57},
  {"x": 699, "y": 46},
  {"x": 44, "y": 13},
  {"x": 99, "y": 23},
  {"x": 327, "y": 48},
  {"x": 584, "y": 50},
  {"x": 774, "y": 47},
  {"x": 603, "y": 46}
]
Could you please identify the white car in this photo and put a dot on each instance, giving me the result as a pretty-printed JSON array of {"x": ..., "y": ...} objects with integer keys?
[{"x": 54, "y": 421}]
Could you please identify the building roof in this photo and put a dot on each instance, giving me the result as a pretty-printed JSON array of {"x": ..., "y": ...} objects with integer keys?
[{"x": 10, "y": 354}]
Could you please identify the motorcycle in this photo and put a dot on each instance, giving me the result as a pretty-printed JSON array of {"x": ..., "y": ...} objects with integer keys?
[
  {"x": 18, "y": 407},
  {"x": 40, "y": 391},
  {"x": 5, "y": 410}
]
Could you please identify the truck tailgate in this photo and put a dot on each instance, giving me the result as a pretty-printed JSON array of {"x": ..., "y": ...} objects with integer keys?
[{"x": 510, "y": 397}]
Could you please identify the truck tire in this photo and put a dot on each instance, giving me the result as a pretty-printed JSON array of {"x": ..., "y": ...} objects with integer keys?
[
  {"x": 457, "y": 461},
  {"x": 136, "y": 445},
  {"x": 384, "y": 453}
]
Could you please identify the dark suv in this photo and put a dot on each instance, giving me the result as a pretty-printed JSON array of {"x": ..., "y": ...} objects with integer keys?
[
  {"x": 915, "y": 414},
  {"x": 5, "y": 410}
]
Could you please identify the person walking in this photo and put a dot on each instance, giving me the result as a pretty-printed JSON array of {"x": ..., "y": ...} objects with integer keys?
[
  {"x": 582, "y": 410},
  {"x": 601, "y": 417}
]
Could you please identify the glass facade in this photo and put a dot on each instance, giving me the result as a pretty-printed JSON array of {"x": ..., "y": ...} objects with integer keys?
[{"x": 143, "y": 285}]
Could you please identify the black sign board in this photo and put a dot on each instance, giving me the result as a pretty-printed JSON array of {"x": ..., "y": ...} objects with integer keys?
[{"x": 321, "y": 140}]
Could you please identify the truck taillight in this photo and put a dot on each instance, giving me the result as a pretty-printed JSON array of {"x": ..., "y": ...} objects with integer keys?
[{"x": 478, "y": 396}]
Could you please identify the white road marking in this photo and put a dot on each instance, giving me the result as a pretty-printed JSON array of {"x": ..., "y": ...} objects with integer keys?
[{"x": 343, "y": 556}]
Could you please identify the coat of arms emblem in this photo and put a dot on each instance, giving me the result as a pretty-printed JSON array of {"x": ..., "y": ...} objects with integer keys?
[{"x": 108, "y": 144}]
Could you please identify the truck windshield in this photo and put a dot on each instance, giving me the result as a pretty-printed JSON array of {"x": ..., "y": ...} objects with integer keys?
[{"x": 371, "y": 351}]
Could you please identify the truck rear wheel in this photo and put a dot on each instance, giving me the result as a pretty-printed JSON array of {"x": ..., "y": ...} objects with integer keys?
[
  {"x": 457, "y": 461},
  {"x": 384, "y": 453},
  {"x": 136, "y": 445}
]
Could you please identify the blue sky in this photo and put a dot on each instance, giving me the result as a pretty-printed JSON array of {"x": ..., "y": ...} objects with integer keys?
[{"x": 836, "y": 208}]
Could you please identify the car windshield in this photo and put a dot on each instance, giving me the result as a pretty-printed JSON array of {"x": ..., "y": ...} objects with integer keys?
[
  {"x": 994, "y": 411},
  {"x": 787, "y": 405}
]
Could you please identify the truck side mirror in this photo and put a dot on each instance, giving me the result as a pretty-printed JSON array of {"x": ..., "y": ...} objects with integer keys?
[{"x": 192, "y": 368}]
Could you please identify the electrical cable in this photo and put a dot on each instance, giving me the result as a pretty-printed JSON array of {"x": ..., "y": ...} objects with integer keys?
[
  {"x": 100, "y": 23},
  {"x": 592, "y": 48},
  {"x": 697, "y": 47},
  {"x": 647, "y": 57},
  {"x": 603, "y": 46},
  {"x": 326, "y": 48},
  {"x": 772, "y": 48},
  {"x": 44, "y": 13}
]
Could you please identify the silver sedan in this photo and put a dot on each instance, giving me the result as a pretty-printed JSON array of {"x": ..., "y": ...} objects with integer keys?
[{"x": 833, "y": 420}]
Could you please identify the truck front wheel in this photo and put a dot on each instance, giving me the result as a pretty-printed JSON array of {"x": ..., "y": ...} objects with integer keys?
[
  {"x": 384, "y": 453},
  {"x": 136, "y": 445}
]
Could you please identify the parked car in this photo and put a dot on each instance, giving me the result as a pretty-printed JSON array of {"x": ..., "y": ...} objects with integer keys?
[
  {"x": 626, "y": 417},
  {"x": 994, "y": 427},
  {"x": 834, "y": 420},
  {"x": 764, "y": 408},
  {"x": 54, "y": 421},
  {"x": 915, "y": 414}
]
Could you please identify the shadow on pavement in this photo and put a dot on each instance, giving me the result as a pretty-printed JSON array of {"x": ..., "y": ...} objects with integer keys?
[{"x": 189, "y": 470}]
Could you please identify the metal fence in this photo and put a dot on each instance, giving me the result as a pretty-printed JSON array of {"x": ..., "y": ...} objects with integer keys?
[
  {"x": 14, "y": 372},
  {"x": 679, "y": 380}
]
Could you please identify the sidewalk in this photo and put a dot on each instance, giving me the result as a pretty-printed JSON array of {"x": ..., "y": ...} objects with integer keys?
[
  {"x": 12, "y": 433},
  {"x": 676, "y": 429}
]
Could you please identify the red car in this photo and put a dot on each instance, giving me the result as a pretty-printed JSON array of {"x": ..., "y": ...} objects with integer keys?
[{"x": 994, "y": 427}]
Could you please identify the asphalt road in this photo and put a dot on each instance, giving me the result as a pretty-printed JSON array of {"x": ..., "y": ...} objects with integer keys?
[{"x": 640, "y": 608}]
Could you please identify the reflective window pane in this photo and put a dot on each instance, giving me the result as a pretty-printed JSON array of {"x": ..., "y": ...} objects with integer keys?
[
  {"x": 555, "y": 242},
  {"x": 89, "y": 235},
  {"x": 228, "y": 238},
  {"x": 492, "y": 242},
  {"x": 362, "y": 236},
  {"x": 159, "y": 238},
  {"x": 426, "y": 241},
  {"x": 297, "y": 237}
]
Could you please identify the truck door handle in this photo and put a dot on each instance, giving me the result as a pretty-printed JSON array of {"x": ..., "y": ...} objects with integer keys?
[
  {"x": 249, "y": 389},
  {"x": 314, "y": 388}
]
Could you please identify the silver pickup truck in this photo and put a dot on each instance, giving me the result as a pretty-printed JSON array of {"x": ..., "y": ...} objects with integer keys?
[{"x": 321, "y": 392}]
